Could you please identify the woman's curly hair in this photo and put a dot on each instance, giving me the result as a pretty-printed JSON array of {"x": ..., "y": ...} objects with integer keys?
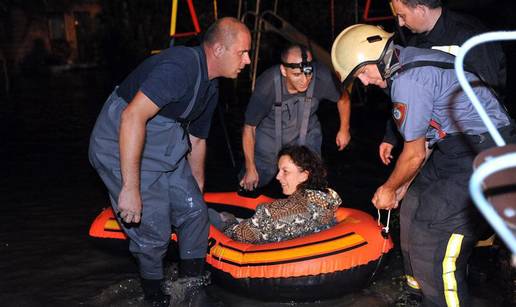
[{"x": 309, "y": 161}]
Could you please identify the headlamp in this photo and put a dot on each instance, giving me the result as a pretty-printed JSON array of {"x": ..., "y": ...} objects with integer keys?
[{"x": 305, "y": 67}]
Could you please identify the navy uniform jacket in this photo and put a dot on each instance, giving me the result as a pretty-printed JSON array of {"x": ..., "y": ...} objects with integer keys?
[{"x": 451, "y": 31}]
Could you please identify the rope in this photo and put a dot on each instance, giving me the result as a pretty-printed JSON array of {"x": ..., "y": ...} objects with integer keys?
[
  {"x": 385, "y": 229},
  {"x": 384, "y": 232}
]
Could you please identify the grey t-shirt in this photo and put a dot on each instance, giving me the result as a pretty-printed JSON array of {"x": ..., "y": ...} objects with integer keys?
[
  {"x": 428, "y": 93},
  {"x": 263, "y": 97}
]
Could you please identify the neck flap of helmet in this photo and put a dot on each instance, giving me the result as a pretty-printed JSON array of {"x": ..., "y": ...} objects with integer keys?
[{"x": 389, "y": 62}]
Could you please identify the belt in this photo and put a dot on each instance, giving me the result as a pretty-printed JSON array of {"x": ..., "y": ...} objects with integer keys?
[
  {"x": 509, "y": 130},
  {"x": 460, "y": 142}
]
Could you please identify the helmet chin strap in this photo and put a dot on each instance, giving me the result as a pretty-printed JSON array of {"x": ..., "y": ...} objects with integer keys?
[{"x": 389, "y": 63}]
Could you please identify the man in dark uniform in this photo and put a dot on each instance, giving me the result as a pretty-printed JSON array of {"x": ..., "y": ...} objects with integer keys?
[
  {"x": 282, "y": 110},
  {"x": 160, "y": 114},
  {"x": 438, "y": 220},
  {"x": 438, "y": 28}
]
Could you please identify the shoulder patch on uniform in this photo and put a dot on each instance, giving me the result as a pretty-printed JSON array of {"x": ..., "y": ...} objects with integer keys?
[{"x": 399, "y": 111}]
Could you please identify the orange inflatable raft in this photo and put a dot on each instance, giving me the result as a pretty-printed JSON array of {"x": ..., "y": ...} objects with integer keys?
[{"x": 321, "y": 265}]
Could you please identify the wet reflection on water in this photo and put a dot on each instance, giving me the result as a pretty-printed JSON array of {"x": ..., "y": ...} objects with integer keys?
[{"x": 128, "y": 292}]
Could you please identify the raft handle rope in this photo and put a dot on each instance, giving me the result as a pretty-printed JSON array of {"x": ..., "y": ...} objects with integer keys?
[
  {"x": 493, "y": 165},
  {"x": 385, "y": 234},
  {"x": 385, "y": 229}
]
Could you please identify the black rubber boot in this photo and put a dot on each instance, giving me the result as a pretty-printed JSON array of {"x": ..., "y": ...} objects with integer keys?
[
  {"x": 190, "y": 288},
  {"x": 153, "y": 293},
  {"x": 409, "y": 297},
  {"x": 191, "y": 267}
]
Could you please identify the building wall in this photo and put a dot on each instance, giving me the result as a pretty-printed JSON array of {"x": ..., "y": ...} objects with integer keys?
[
  {"x": 31, "y": 34},
  {"x": 72, "y": 23},
  {"x": 26, "y": 30}
]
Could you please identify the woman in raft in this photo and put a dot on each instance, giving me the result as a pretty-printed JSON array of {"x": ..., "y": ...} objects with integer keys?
[{"x": 310, "y": 206}]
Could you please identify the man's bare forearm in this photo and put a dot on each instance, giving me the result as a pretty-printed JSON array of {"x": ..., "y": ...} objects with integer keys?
[
  {"x": 132, "y": 137},
  {"x": 344, "y": 108},
  {"x": 248, "y": 144},
  {"x": 410, "y": 161}
]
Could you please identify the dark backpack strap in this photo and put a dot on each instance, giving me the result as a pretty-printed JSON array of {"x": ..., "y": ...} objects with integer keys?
[
  {"x": 307, "y": 106},
  {"x": 443, "y": 65},
  {"x": 277, "y": 110},
  {"x": 447, "y": 65}
]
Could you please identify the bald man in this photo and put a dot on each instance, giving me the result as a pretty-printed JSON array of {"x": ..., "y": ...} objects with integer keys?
[
  {"x": 150, "y": 127},
  {"x": 282, "y": 111}
]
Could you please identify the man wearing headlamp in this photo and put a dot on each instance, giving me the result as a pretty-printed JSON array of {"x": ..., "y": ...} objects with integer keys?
[{"x": 282, "y": 111}]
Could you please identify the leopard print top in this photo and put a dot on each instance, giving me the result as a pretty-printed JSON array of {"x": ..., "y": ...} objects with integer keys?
[{"x": 302, "y": 213}]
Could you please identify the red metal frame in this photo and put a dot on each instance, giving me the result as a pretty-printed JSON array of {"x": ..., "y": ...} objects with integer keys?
[
  {"x": 366, "y": 17},
  {"x": 195, "y": 21}
]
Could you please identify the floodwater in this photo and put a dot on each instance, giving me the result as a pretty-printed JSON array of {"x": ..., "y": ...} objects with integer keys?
[{"x": 49, "y": 195}]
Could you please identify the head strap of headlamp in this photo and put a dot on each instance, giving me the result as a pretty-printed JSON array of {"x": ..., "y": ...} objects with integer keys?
[{"x": 305, "y": 66}]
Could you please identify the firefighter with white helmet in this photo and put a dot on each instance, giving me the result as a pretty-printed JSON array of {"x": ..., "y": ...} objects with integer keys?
[{"x": 439, "y": 125}]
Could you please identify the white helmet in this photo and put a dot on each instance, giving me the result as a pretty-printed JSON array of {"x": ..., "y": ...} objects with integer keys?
[{"x": 356, "y": 46}]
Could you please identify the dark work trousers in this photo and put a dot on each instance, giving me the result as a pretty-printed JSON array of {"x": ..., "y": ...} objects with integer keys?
[
  {"x": 439, "y": 224},
  {"x": 169, "y": 192}
]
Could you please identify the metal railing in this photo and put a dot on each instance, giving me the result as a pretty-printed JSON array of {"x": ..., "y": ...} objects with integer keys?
[
  {"x": 268, "y": 21},
  {"x": 493, "y": 164}
]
